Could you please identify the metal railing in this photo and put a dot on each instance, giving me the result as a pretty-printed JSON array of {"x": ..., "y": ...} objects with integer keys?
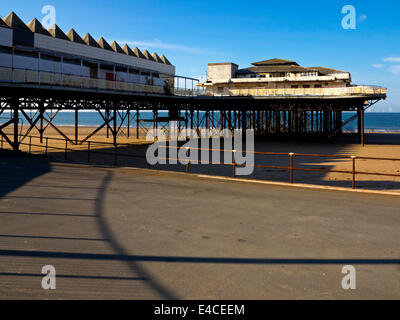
[
  {"x": 323, "y": 92},
  {"x": 45, "y": 148},
  {"x": 44, "y": 78}
]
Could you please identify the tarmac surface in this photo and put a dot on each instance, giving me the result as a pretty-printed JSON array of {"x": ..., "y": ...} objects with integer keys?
[{"x": 118, "y": 233}]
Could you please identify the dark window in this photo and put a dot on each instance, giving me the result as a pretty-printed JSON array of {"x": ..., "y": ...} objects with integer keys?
[
  {"x": 317, "y": 86},
  {"x": 50, "y": 57},
  {"x": 156, "y": 75},
  {"x": 72, "y": 61},
  {"x": 107, "y": 67},
  {"x": 306, "y": 86},
  {"x": 134, "y": 71},
  {"x": 295, "y": 86},
  {"x": 26, "y": 53},
  {"x": 121, "y": 69},
  {"x": 145, "y": 73},
  {"x": 5, "y": 50}
]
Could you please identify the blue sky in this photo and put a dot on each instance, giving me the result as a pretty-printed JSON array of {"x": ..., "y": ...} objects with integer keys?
[{"x": 193, "y": 33}]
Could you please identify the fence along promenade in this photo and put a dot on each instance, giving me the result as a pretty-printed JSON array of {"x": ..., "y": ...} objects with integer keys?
[{"x": 95, "y": 148}]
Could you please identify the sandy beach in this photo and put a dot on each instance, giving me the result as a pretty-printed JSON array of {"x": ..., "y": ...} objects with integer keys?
[{"x": 378, "y": 145}]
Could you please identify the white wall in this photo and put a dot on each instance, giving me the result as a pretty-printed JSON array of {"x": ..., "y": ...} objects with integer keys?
[
  {"x": 59, "y": 45},
  {"x": 6, "y": 37},
  {"x": 221, "y": 72}
]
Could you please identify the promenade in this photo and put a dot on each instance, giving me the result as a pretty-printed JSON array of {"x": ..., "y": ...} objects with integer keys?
[{"x": 118, "y": 233}]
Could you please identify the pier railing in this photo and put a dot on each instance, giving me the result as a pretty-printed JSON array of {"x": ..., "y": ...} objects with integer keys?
[
  {"x": 91, "y": 148},
  {"x": 302, "y": 92},
  {"x": 57, "y": 79}
]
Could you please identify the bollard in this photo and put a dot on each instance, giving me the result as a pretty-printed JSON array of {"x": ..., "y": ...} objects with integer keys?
[
  {"x": 187, "y": 159},
  {"x": 88, "y": 152},
  {"x": 234, "y": 163},
  {"x": 291, "y": 155},
  {"x": 353, "y": 158},
  {"x": 30, "y": 144}
]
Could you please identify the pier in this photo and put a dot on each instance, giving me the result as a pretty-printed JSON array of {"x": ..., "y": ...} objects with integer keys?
[{"x": 48, "y": 71}]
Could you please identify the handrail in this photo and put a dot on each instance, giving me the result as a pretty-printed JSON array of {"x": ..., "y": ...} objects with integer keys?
[
  {"x": 291, "y": 168},
  {"x": 283, "y": 92},
  {"x": 37, "y": 77}
]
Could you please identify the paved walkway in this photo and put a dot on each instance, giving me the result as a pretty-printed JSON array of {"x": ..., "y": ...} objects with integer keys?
[{"x": 139, "y": 234}]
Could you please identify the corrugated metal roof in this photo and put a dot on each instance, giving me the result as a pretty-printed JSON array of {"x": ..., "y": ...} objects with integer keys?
[
  {"x": 75, "y": 37},
  {"x": 36, "y": 26}
]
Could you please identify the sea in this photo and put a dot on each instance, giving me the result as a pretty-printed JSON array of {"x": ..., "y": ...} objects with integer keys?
[{"x": 374, "y": 121}]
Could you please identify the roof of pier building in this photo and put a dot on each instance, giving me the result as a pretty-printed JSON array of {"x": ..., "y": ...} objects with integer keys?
[
  {"x": 281, "y": 65},
  {"x": 14, "y": 22}
]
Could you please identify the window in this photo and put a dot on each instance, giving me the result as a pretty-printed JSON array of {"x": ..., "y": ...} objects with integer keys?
[
  {"x": 134, "y": 71},
  {"x": 26, "y": 54},
  {"x": 5, "y": 50},
  {"x": 306, "y": 86},
  {"x": 49, "y": 57},
  {"x": 317, "y": 86},
  {"x": 295, "y": 86},
  {"x": 121, "y": 69},
  {"x": 76, "y": 62}
]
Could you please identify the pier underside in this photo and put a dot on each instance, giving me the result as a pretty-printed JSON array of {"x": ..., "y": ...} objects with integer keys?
[{"x": 291, "y": 117}]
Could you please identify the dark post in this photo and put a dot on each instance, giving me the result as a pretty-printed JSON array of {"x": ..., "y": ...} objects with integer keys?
[
  {"x": 137, "y": 123},
  {"x": 30, "y": 144},
  {"x": 353, "y": 172},
  {"x": 108, "y": 118},
  {"x": 66, "y": 149},
  {"x": 187, "y": 159},
  {"x": 129, "y": 123},
  {"x": 88, "y": 152},
  {"x": 291, "y": 155},
  {"x": 76, "y": 125},
  {"x": 15, "y": 106},
  {"x": 234, "y": 163},
  {"x": 362, "y": 126},
  {"x": 42, "y": 109},
  {"x": 115, "y": 127}
]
